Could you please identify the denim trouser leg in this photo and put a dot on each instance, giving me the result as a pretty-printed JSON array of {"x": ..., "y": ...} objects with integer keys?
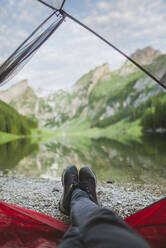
[
  {"x": 96, "y": 227},
  {"x": 81, "y": 208}
]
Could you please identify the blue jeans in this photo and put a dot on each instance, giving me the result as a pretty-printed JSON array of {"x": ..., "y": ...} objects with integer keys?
[{"x": 96, "y": 227}]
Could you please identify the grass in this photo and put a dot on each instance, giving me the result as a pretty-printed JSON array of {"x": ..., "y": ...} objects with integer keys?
[
  {"x": 76, "y": 124},
  {"x": 7, "y": 137},
  {"x": 123, "y": 131},
  {"x": 42, "y": 135},
  {"x": 115, "y": 85}
]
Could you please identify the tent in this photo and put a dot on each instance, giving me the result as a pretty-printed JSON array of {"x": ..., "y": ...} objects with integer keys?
[{"x": 20, "y": 227}]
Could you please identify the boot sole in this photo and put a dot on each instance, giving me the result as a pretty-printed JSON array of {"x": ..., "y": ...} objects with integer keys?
[{"x": 62, "y": 209}]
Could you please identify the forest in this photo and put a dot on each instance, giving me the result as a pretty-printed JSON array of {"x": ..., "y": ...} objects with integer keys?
[{"x": 13, "y": 122}]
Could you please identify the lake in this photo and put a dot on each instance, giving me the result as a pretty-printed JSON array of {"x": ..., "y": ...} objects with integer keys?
[{"x": 138, "y": 162}]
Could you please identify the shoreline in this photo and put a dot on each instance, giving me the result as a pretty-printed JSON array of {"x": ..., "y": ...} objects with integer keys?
[{"x": 43, "y": 195}]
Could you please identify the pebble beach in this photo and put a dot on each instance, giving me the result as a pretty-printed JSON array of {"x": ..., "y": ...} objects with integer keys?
[{"x": 43, "y": 195}]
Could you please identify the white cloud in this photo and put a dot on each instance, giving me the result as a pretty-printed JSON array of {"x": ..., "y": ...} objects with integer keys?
[
  {"x": 129, "y": 19},
  {"x": 26, "y": 16},
  {"x": 104, "y": 5}
]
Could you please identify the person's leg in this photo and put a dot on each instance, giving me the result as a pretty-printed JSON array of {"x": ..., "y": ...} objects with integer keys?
[
  {"x": 81, "y": 207},
  {"x": 70, "y": 183},
  {"x": 105, "y": 229},
  {"x": 99, "y": 227},
  {"x": 71, "y": 239},
  {"x": 93, "y": 226}
]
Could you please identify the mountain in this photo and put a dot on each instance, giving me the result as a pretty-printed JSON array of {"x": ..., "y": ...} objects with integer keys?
[
  {"x": 101, "y": 98},
  {"x": 143, "y": 56},
  {"x": 13, "y": 122},
  {"x": 21, "y": 97}
]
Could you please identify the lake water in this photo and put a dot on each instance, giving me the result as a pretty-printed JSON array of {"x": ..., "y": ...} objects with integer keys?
[{"x": 143, "y": 162}]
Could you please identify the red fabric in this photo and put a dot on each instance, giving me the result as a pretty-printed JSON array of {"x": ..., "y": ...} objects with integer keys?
[
  {"x": 20, "y": 227},
  {"x": 150, "y": 223}
]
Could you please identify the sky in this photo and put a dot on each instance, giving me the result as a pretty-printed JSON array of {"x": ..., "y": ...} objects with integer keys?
[{"x": 73, "y": 51}]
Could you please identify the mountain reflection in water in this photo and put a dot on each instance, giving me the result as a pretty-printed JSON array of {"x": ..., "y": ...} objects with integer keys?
[
  {"x": 12, "y": 153},
  {"x": 143, "y": 162}
]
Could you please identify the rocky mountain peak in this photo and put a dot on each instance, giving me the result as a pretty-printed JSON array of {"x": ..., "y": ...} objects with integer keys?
[
  {"x": 21, "y": 85},
  {"x": 21, "y": 96},
  {"x": 146, "y": 55},
  {"x": 14, "y": 91},
  {"x": 143, "y": 56},
  {"x": 101, "y": 73}
]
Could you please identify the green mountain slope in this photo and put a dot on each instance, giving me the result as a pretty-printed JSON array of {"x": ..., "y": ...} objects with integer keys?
[
  {"x": 13, "y": 122},
  {"x": 102, "y": 98},
  {"x": 134, "y": 96}
]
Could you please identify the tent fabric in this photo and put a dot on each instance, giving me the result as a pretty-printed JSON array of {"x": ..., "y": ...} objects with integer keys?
[
  {"x": 54, "y": 4},
  {"x": 27, "y": 49},
  {"x": 150, "y": 223},
  {"x": 20, "y": 227}
]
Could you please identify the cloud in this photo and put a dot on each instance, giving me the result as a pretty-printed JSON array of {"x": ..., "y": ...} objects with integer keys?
[
  {"x": 60, "y": 64},
  {"x": 103, "y": 5},
  {"x": 26, "y": 16},
  {"x": 127, "y": 21}
]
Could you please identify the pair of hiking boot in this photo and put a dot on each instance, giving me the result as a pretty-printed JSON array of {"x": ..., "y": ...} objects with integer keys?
[{"x": 71, "y": 180}]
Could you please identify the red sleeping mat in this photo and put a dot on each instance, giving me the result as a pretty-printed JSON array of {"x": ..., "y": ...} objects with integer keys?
[{"x": 20, "y": 227}]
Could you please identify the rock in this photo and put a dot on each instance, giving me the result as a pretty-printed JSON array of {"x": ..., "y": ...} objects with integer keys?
[
  {"x": 101, "y": 73},
  {"x": 110, "y": 181},
  {"x": 145, "y": 56},
  {"x": 55, "y": 189}
]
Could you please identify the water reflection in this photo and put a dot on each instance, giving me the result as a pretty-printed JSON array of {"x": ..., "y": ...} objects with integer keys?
[
  {"x": 143, "y": 162},
  {"x": 12, "y": 153}
]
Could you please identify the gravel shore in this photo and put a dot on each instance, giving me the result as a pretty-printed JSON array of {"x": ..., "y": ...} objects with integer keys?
[{"x": 43, "y": 195}]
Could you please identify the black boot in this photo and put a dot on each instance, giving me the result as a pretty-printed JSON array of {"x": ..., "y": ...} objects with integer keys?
[
  {"x": 70, "y": 182},
  {"x": 87, "y": 182}
]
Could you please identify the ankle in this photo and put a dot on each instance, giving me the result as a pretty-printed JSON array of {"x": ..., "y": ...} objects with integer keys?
[{"x": 78, "y": 193}]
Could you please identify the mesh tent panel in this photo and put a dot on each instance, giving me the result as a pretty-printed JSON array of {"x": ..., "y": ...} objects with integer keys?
[
  {"x": 26, "y": 50},
  {"x": 20, "y": 227}
]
